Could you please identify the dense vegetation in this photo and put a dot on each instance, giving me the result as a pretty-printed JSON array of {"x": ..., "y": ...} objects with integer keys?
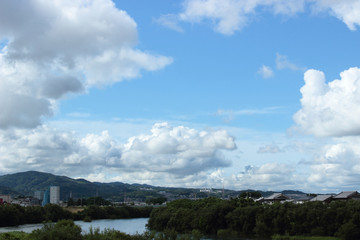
[
  {"x": 67, "y": 230},
  {"x": 12, "y": 215},
  {"x": 244, "y": 217},
  {"x": 156, "y": 201}
]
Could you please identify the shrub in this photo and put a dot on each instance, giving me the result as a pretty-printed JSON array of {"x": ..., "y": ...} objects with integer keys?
[{"x": 62, "y": 230}]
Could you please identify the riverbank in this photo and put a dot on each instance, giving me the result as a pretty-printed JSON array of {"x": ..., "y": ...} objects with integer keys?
[
  {"x": 68, "y": 230},
  {"x": 14, "y": 215},
  {"x": 128, "y": 226}
]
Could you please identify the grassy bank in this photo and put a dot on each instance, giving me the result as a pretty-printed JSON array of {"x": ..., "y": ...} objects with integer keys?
[{"x": 13, "y": 236}]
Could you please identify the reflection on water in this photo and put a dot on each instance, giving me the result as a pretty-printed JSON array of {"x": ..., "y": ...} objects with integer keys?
[{"x": 129, "y": 226}]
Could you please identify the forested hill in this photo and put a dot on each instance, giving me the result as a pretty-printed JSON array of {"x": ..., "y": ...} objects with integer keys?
[
  {"x": 26, "y": 183},
  {"x": 7, "y": 191}
]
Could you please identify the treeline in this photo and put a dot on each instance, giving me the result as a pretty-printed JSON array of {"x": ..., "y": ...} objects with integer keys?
[
  {"x": 67, "y": 230},
  {"x": 244, "y": 217},
  {"x": 111, "y": 212},
  {"x": 13, "y": 215}
]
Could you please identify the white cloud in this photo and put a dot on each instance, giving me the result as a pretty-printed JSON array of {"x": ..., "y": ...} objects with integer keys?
[
  {"x": 336, "y": 167},
  {"x": 330, "y": 109},
  {"x": 22, "y": 110},
  {"x": 229, "y": 16},
  {"x": 170, "y": 21},
  {"x": 53, "y": 48},
  {"x": 282, "y": 62},
  {"x": 270, "y": 176},
  {"x": 347, "y": 11},
  {"x": 266, "y": 72},
  {"x": 63, "y": 31},
  {"x": 229, "y": 115},
  {"x": 273, "y": 148},
  {"x": 179, "y": 152},
  {"x": 203, "y": 179}
]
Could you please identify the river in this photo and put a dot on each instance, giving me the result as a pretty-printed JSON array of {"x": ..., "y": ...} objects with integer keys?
[{"x": 129, "y": 226}]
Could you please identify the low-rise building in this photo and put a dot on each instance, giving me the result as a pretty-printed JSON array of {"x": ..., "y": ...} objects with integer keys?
[
  {"x": 5, "y": 199},
  {"x": 347, "y": 195},
  {"x": 275, "y": 197},
  {"x": 326, "y": 198}
]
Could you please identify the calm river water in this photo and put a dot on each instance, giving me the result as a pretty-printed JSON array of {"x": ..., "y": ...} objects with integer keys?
[{"x": 129, "y": 226}]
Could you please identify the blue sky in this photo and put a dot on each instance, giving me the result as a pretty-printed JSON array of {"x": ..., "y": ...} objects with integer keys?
[{"x": 196, "y": 93}]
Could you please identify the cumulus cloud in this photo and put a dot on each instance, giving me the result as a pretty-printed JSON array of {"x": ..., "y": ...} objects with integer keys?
[
  {"x": 179, "y": 150},
  {"x": 336, "y": 164},
  {"x": 52, "y": 48},
  {"x": 176, "y": 151},
  {"x": 330, "y": 109},
  {"x": 229, "y": 16},
  {"x": 266, "y": 72},
  {"x": 269, "y": 176},
  {"x": 203, "y": 179},
  {"x": 59, "y": 152}
]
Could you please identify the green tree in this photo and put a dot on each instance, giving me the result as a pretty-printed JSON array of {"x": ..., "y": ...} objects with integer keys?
[
  {"x": 62, "y": 230},
  {"x": 158, "y": 200},
  {"x": 250, "y": 194},
  {"x": 349, "y": 231}
]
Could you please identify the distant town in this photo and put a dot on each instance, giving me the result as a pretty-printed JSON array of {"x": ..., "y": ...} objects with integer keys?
[
  {"x": 52, "y": 196},
  {"x": 36, "y": 197}
]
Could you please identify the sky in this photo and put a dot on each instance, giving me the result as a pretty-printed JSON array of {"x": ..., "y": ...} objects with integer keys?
[{"x": 245, "y": 94}]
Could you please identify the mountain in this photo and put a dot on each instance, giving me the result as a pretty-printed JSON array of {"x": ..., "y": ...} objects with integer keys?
[
  {"x": 26, "y": 183},
  {"x": 7, "y": 191}
]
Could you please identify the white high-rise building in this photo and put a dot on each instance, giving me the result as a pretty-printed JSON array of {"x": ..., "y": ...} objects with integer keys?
[{"x": 54, "y": 194}]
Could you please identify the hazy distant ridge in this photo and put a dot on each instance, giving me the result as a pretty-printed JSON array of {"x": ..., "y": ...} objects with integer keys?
[{"x": 26, "y": 183}]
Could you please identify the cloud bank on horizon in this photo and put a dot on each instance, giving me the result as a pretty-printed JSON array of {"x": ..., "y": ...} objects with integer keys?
[
  {"x": 178, "y": 151},
  {"x": 56, "y": 51}
]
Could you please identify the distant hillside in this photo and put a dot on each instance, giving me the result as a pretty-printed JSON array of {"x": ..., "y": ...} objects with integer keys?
[
  {"x": 26, "y": 183},
  {"x": 7, "y": 191},
  {"x": 291, "y": 193}
]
